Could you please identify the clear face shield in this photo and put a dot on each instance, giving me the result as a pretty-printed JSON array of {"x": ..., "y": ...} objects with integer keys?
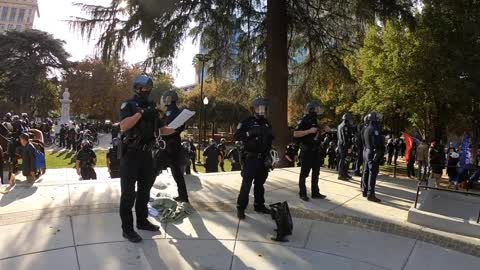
[{"x": 261, "y": 110}]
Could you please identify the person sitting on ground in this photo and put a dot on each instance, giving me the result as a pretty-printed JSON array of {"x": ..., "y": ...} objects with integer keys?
[
  {"x": 86, "y": 161},
  {"x": 28, "y": 158}
]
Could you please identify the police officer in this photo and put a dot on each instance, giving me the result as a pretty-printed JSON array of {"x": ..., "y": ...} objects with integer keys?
[
  {"x": 62, "y": 134},
  {"x": 309, "y": 133},
  {"x": 256, "y": 134},
  {"x": 85, "y": 161},
  {"x": 235, "y": 157},
  {"x": 359, "y": 142},
  {"x": 139, "y": 120},
  {"x": 193, "y": 154},
  {"x": 223, "y": 152},
  {"x": 373, "y": 152},
  {"x": 173, "y": 145},
  {"x": 344, "y": 132},
  {"x": 212, "y": 157}
]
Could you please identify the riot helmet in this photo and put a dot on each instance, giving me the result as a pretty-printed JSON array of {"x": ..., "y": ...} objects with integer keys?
[
  {"x": 169, "y": 98},
  {"x": 314, "y": 107},
  {"x": 347, "y": 118},
  {"x": 373, "y": 117},
  {"x": 143, "y": 86},
  {"x": 260, "y": 107}
]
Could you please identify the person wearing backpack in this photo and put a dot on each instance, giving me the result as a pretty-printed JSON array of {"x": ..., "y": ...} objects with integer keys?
[{"x": 28, "y": 158}]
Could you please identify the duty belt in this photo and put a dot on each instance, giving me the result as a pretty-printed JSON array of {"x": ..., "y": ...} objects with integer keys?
[{"x": 142, "y": 147}]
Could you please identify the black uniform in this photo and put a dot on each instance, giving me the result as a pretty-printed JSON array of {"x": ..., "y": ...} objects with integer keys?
[
  {"x": 114, "y": 162},
  {"x": 87, "y": 158},
  {"x": 211, "y": 154},
  {"x": 372, "y": 155},
  {"x": 257, "y": 137},
  {"x": 311, "y": 155},
  {"x": 223, "y": 152},
  {"x": 359, "y": 148},
  {"x": 136, "y": 164},
  {"x": 344, "y": 144},
  {"x": 63, "y": 134},
  {"x": 193, "y": 155},
  {"x": 291, "y": 154},
  {"x": 235, "y": 157},
  {"x": 174, "y": 149}
]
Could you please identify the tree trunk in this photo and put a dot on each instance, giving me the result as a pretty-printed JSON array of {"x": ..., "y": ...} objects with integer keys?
[{"x": 277, "y": 71}]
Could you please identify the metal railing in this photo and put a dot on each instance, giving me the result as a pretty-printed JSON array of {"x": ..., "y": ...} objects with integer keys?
[{"x": 446, "y": 190}]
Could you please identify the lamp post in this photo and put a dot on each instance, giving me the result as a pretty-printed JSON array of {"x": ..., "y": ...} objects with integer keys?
[
  {"x": 202, "y": 58},
  {"x": 205, "y": 103}
]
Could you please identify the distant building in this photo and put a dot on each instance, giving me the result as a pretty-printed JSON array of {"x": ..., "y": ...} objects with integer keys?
[
  {"x": 187, "y": 88},
  {"x": 17, "y": 14}
]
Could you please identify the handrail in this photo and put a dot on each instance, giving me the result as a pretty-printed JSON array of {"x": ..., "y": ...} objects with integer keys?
[{"x": 446, "y": 190}]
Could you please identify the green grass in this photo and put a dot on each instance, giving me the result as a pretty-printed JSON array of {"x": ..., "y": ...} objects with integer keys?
[{"x": 66, "y": 159}]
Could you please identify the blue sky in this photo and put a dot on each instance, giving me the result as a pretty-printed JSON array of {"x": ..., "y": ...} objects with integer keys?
[{"x": 53, "y": 14}]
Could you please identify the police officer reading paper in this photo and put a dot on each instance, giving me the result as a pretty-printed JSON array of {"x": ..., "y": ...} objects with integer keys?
[
  {"x": 174, "y": 145},
  {"x": 374, "y": 149},
  {"x": 309, "y": 133},
  {"x": 139, "y": 121},
  {"x": 257, "y": 136}
]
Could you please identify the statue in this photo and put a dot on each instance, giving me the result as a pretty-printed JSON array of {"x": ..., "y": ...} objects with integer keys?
[{"x": 65, "y": 113}]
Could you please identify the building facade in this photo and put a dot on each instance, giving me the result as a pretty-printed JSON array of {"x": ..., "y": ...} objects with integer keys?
[{"x": 17, "y": 14}]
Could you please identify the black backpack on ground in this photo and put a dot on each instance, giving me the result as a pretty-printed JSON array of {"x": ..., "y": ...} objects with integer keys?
[{"x": 281, "y": 214}]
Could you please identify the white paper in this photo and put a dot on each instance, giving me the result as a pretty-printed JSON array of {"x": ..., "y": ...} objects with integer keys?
[{"x": 180, "y": 120}]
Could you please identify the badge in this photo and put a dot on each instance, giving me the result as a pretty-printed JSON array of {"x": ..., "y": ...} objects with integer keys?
[
  {"x": 168, "y": 113},
  {"x": 377, "y": 133},
  {"x": 124, "y": 105}
]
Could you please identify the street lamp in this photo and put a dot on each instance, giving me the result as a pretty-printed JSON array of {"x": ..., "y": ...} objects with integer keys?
[
  {"x": 205, "y": 103},
  {"x": 202, "y": 58}
]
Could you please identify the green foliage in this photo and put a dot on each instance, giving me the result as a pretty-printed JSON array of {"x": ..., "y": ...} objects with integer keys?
[{"x": 26, "y": 59}]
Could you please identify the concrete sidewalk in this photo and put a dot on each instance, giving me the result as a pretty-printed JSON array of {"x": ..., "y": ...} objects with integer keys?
[{"x": 61, "y": 223}]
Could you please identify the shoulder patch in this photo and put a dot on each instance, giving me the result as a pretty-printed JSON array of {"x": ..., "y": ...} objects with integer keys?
[{"x": 124, "y": 105}]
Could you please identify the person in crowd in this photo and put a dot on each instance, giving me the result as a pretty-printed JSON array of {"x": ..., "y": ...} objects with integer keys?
[
  {"x": 28, "y": 158},
  {"x": 476, "y": 166},
  {"x": 223, "y": 151},
  {"x": 452, "y": 168},
  {"x": 85, "y": 161},
  {"x": 235, "y": 156},
  {"x": 422, "y": 160},
  {"x": 193, "y": 154},
  {"x": 403, "y": 148},
  {"x": 436, "y": 158},
  {"x": 291, "y": 154},
  {"x": 411, "y": 161},
  {"x": 331, "y": 153},
  {"x": 390, "y": 150},
  {"x": 212, "y": 157}
]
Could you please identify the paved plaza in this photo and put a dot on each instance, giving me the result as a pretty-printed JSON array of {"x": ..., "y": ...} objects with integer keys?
[{"x": 62, "y": 223}]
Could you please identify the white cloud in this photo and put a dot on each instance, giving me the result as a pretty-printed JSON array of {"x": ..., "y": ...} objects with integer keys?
[{"x": 53, "y": 16}]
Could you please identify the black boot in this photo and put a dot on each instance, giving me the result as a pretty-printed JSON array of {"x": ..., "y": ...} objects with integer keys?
[
  {"x": 147, "y": 226},
  {"x": 241, "y": 214},
  {"x": 372, "y": 198},
  {"x": 304, "y": 198},
  {"x": 262, "y": 209},
  {"x": 132, "y": 236},
  {"x": 318, "y": 196}
]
